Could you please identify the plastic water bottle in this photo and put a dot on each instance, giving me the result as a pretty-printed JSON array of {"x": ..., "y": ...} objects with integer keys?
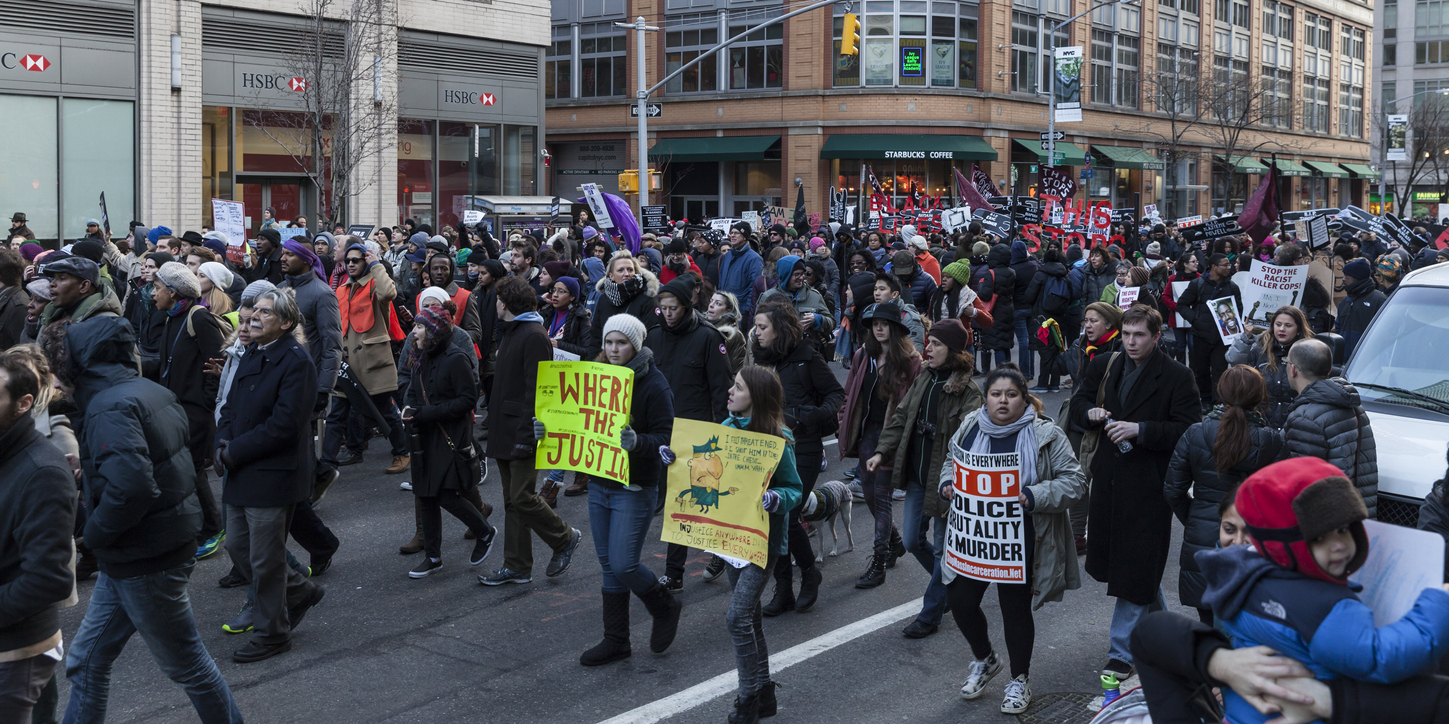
[
  {"x": 1111, "y": 688},
  {"x": 1124, "y": 447}
]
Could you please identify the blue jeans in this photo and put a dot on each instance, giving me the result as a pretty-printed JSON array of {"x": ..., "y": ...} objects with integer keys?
[
  {"x": 155, "y": 605},
  {"x": 914, "y": 529},
  {"x": 744, "y": 619},
  {"x": 1024, "y": 356},
  {"x": 619, "y": 519},
  {"x": 1124, "y": 619}
]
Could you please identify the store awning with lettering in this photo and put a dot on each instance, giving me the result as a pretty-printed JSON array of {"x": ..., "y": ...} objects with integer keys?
[
  {"x": 1289, "y": 168},
  {"x": 711, "y": 148},
  {"x": 1361, "y": 171},
  {"x": 1244, "y": 164},
  {"x": 1327, "y": 170},
  {"x": 1073, "y": 154},
  {"x": 899, "y": 146},
  {"x": 1129, "y": 157}
]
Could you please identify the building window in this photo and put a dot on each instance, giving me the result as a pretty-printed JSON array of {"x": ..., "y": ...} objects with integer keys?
[
  {"x": 845, "y": 69},
  {"x": 558, "y": 64},
  {"x": 1025, "y": 52},
  {"x": 1278, "y": 20},
  {"x": 1176, "y": 79},
  {"x": 1351, "y": 82},
  {"x": 603, "y": 63},
  {"x": 1234, "y": 12},
  {"x": 683, "y": 46},
  {"x": 1391, "y": 54},
  {"x": 1388, "y": 93},
  {"x": 756, "y": 61},
  {"x": 966, "y": 47},
  {"x": 1430, "y": 18},
  {"x": 1116, "y": 56},
  {"x": 1317, "y": 31},
  {"x": 1426, "y": 52}
]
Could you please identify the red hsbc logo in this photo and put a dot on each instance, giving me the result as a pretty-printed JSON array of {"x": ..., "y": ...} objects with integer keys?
[
  {"x": 487, "y": 97},
  {"x": 299, "y": 84},
  {"x": 30, "y": 61}
]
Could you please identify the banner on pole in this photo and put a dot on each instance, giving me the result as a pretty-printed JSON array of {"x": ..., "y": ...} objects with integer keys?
[
  {"x": 985, "y": 530},
  {"x": 597, "y": 207},
  {"x": 1398, "y": 139},
  {"x": 1067, "y": 86},
  {"x": 584, "y": 406},
  {"x": 716, "y": 483}
]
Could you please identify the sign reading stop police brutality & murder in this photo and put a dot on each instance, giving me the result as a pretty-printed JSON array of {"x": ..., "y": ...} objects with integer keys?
[
  {"x": 716, "y": 483},
  {"x": 985, "y": 533},
  {"x": 584, "y": 406}
]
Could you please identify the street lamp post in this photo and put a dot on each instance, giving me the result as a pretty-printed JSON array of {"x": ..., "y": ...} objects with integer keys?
[
  {"x": 1051, "y": 73},
  {"x": 1384, "y": 146}
]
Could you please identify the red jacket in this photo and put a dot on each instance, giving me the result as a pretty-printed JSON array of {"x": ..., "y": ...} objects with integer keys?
[{"x": 667, "y": 275}]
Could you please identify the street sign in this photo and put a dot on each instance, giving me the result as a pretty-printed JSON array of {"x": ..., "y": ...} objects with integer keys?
[
  {"x": 1048, "y": 145},
  {"x": 655, "y": 221},
  {"x": 1058, "y": 156},
  {"x": 651, "y": 110},
  {"x": 1057, "y": 136}
]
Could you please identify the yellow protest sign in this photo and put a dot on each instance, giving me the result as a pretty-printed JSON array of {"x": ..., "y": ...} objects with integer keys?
[
  {"x": 584, "y": 406},
  {"x": 715, "y": 486}
]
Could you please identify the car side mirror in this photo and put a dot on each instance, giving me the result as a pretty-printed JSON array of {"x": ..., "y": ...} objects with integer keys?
[{"x": 1335, "y": 343}]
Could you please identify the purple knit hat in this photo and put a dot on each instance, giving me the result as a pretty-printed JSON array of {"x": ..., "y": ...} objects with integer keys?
[{"x": 30, "y": 250}]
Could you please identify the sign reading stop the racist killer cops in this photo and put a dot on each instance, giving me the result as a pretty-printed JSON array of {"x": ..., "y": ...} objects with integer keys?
[
  {"x": 985, "y": 533},
  {"x": 584, "y": 406},
  {"x": 716, "y": 484}
]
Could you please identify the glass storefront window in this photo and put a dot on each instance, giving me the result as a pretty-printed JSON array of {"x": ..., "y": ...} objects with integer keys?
[
  {"x": 275, "y": 142},
  {"x": 931, "y": 177},
  {"x": 97, "y": 157},
  {"x": 216, "y": 170},
  {"x": 519, "y": 158},
  {"x": 415, "y": 168},
  {"x": 30, "y": 181},
  {"x": 757, "y": 178}
]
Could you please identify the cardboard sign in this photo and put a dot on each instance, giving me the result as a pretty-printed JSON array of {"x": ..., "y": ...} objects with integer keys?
[
  {"x": 1270, "y": 287},
  {"x": 985, "y": 530},
  {"x": 717, "y": 480},
  {"x": 1128, "y": 297},
  {"x": 226, "y": 217},
  {"x": 1402, "y": 562},
  {"x": 655, "y": 220},
  {"x": 1226, "y": 317},
  {"x": 597, "y": 207},
  {"x": 584, "y": 406}
]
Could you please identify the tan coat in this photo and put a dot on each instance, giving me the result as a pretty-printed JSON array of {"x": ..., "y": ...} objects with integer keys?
[{"x": 369, "y": 353}]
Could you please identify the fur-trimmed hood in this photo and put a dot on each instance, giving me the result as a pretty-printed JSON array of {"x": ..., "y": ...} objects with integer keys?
[{"x": 958, "y": 382}]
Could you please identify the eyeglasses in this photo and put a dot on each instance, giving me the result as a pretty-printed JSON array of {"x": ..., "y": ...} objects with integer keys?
[{"x": 354, "y": 260}]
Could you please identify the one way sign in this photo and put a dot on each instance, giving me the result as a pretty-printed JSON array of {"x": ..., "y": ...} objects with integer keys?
[{"x": 651, "y": 110}]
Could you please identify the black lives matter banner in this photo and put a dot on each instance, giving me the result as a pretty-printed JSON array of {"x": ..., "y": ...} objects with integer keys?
[
  {"x": 985, "y": 530},
  {"x": 1212, "y": 229}
]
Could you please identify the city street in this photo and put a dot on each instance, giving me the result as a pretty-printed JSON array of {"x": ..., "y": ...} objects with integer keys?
[{"x": 384, "y": 648}]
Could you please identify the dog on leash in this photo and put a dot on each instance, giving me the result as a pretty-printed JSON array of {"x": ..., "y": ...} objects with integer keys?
[{"x": 828, "y": 502}]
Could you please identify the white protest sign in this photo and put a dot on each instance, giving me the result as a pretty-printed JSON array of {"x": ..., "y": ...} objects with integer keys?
[
  {"x": 722, "y": 224},
  {"x": 472, "y": 216},
  {"x": 228, "y": 217},
  {"x": 985, "y": 533},
  {"x": 1402, "y": 562},
  {"x": 1177, "y": 289},
  {"x": 597, "y": 207},
  {"x": 1270, "y": 287},
  {"x": 1127, "y": 297},
  {"x": 562, "y": 356},
  {"x": 752, "y": 218},
  {"x": 1149, "y": 210},
  {"x": 1187, "y": 221},
  {"x": 957, "y": 218},
  {"x": 1226, "y": 317}
]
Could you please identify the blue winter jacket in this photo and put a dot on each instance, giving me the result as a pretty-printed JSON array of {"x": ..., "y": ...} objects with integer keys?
[
  {"x": 737, "y": 272},
  {"x": 1323, "y": 625}
]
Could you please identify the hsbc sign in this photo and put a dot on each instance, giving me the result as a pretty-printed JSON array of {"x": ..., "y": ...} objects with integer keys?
[
  {"x": 468, "y": 98},
  {"x": 269, "y": 81},
  {"x": 25, "y": 61}
]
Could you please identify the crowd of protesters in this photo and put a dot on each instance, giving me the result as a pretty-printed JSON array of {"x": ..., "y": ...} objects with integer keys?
[{"x": 132, "y": 370}]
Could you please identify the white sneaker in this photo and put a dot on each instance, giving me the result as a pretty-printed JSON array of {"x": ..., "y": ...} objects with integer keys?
[
  {"x": 405, "y": 485},
  {"x": 1018, "y": 696},
  {"x": 898, "y": 495},
  {"x": 977, "y": 674}
]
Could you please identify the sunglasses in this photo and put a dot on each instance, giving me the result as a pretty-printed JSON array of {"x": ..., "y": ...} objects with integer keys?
[{"x": 354, "y": 260}]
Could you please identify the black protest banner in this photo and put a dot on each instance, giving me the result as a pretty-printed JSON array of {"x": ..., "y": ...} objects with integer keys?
[
  {"x": 1290, "y": 219},
  {"x": 1212, "y": 229},
  {"x": 1055, "y": 182},
  {"x": 837, "y": 205},
  {"x": 999, "y": 225},
  {"x": 655, "y": 220}
]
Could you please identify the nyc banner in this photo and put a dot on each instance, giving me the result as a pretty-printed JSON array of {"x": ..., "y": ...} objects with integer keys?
[
  {"x": 584, "y": 406},
  {"x": 715, "y": 485}
]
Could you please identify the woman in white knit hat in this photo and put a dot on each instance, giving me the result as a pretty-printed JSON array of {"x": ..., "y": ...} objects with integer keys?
[{"x": 215, "y": 279}]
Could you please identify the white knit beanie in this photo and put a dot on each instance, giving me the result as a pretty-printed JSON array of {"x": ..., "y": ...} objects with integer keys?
[
  {"x": 629, "y": 326},
  {"x": 254, "y": 289},
  {"x": 179, "y": 279},
  {"x": 435, "y": 292},
  {"x": 220, "y": 276}
]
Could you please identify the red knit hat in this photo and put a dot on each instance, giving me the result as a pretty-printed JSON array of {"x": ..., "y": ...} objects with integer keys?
[{"x": 1294, "y": 501}]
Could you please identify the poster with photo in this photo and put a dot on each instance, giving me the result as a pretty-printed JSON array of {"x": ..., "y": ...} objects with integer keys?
[{"x": 1226, "y": 317}]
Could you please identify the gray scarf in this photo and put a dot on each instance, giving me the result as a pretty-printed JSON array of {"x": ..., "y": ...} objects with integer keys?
[{"x": 1025, "y": 440}]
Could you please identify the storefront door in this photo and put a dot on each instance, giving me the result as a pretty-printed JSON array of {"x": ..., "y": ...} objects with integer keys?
[{"x": 288, "y": 198}]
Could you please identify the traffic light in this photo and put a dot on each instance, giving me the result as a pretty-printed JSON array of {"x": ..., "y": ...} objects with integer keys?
[
  {"x": 850, "y": 35},
  {"x": 629, "y": 182}
]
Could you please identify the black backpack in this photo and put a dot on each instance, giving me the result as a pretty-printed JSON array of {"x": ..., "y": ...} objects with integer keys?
[{"x": 1056, "y": 295}]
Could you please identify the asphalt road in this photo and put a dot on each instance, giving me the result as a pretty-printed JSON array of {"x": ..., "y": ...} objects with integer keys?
[{"x": 384, "y": 648}]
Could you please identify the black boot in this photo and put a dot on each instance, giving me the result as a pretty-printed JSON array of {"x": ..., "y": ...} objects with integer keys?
[
  {"x": 747, "y": 709},
  {"x": 874, "y": 574},
  {"x": 809, "y": 589},
  {"x": 615, "y": 646},
  {"x": 665, "y": 609},
  {"x": 767, "y": 699},
  {"x": 898, "y": 548},
  {"x": 784, "y": 599}
]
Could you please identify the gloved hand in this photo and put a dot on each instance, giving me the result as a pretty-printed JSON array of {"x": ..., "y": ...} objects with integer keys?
[
  {"x": 771, "y": 500},
  {"x": 946, "y": 490},
  {"x": 216, "y": 462},
  {"x": 666, "y": 454},
  {"x": 539, "y": 432},
  {"x": 627, "y": 438},
  {"x": 321, "y": 404}
]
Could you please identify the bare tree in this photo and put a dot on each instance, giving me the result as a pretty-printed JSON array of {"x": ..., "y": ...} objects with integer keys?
[
  {"x": 348, "y": 114},
  {"x": 1428, "y": 143},
  {"x": 1174, "y": 88},
  {"x": 1240, "y": 114}
]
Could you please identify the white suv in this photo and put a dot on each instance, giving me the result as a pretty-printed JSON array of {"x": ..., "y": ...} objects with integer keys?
[{"x": 1401, "y": 370}]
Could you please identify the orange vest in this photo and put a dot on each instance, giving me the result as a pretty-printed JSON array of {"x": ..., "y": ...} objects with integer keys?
[{"x": 359, "y": 316}]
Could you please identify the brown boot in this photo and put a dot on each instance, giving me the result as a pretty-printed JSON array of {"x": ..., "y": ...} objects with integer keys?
[
  {"x": 416, "y": 544},
  {"x": 580, "y": 486},
  {"x": 399, "y": 464},
  {"x": 476, "y": 499},
  {"x": 550, "y": 493}
]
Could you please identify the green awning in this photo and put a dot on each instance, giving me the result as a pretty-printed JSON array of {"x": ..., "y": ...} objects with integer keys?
[
  {"x": 1361, "y": 171},
  {"x": 1244, "y": 164},
  {"x": 1075, "y": 156},
  {"x": 711, "y": 148},
  {"x": 1328, "y": 170},
  {"x": 914, "y": 146},
  {"x": 1289, "y": 168},
  {"x": 1129, "y": 157}
]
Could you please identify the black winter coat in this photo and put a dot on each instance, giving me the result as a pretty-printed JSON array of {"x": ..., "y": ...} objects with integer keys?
[
  {"x": 1434, "y": 516},
  {"x": 999, "y": 283},
  {"x": 812, "y": 395},
  {"x": 1194, "y": 489},
  {"x": 1128, "y": 508},
  {"x": 575, "y": 338},
  {"x": 140, "y": 484},
  {"x": 1356, "y": 311},
  {"x": 442, "y": 394},
  {"x": 651, "y": 417},
  {"x": 1032, "y": 297},
  {"x": 37, "y": 520},
  {"x": 1281, "y": 394},
  {"x": 641, "y": 305},
  {"x": 1095, "y": 280},
  {"x": 1193, "y": 305},
  {"x": 696, "y": 364},
  {"x": 266, "y": 425},
  {"x": 179, "y": 369},
  {"x": 521, "y": 346},
  {"x": 1328, "y": 422},
  {"x": 919, "y": 288},
  {"x": 1024, "y": 266}
]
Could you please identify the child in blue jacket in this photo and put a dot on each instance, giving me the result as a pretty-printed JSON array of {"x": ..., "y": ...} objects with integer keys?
[{"x": 1291, "y": 592}]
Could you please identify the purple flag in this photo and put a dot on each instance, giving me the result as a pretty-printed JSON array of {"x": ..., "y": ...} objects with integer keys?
[
  {"x": 1260, "y": 214},
  {"x": 968, "y": 191}
]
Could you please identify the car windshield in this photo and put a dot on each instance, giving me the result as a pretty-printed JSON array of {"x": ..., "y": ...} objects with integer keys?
[{"x": 1404, "y": 357}]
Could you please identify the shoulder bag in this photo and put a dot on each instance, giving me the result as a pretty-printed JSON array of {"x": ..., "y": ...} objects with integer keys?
[
  {"x": 1092, "y": 437},
  {"x": 466, "y": 457}
]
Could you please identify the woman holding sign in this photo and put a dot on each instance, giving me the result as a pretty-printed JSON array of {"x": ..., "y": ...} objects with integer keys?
[
  {"x": 1267, "y": 352},
  {"x": 1050, "y": 481}
]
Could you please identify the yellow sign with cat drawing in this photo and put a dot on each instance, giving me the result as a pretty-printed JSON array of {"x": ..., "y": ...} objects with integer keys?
[{"x": 716, "y": 484}]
